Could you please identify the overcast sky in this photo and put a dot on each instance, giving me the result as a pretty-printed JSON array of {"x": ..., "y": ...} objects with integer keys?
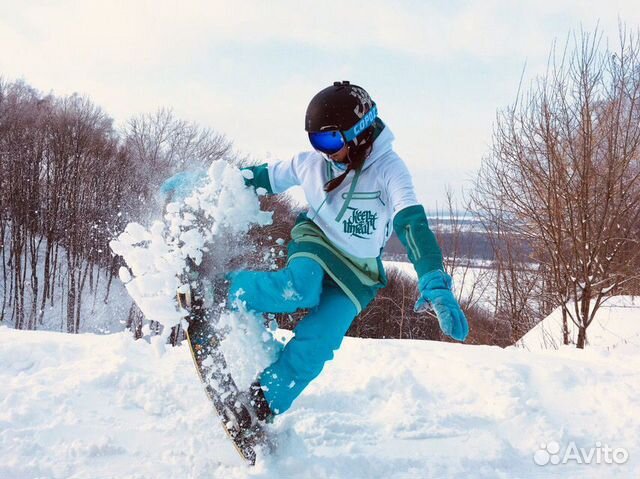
[{"x": 437, "y": 70}]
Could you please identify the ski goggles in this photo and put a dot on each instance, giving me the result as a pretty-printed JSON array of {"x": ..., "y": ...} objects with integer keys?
[{"x": 332, "y": 141}]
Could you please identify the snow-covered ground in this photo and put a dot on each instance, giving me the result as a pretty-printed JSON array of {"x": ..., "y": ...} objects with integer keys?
[
  {"x": 90, "y": 406},
  {"x": 616, "y": 322}
]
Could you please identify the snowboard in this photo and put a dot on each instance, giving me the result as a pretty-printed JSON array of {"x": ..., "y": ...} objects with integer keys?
[
  {"x": 204, "y": 300},
  {"x": 199, "y": 239}
]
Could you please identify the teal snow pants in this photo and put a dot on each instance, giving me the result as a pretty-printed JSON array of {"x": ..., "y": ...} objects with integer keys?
[{"x": 301, "y": 284}]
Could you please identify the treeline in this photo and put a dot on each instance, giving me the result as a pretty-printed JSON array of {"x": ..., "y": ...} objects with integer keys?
[{"x": 69, "y": 182}]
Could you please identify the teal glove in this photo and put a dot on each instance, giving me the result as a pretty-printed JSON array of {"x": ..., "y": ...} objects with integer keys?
[
  {"x": 180, "y": 185},
  {"x": 435, "y": 290}
]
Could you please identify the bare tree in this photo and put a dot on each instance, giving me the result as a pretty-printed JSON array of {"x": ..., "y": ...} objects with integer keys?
[
  {"x": 161, "y": 144},
  {"x": 563, "y": 177}
]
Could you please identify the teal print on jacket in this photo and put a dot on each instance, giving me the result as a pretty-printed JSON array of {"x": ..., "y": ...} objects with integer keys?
[{"x": 361, "y": 223}]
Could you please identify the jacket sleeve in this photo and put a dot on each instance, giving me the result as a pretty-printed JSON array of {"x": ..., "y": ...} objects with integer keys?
[
  {"x": 412, "y": 227},
  {"x": 399, "y": 184},
  {"x": 409, "y": 219}
]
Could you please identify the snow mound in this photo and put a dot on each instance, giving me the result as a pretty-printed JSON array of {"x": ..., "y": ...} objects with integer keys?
[
  {"x": 616, "y": 323},
  {"x": 88, "y": 406}
]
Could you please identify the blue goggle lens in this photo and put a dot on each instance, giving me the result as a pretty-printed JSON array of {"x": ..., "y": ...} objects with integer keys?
[{"x": 329, "y": 142}]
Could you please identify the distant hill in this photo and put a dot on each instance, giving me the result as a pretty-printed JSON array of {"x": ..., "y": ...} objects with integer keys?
[
  {"x": 473, "y": 240},
  {"x": 615, "y": 324}
]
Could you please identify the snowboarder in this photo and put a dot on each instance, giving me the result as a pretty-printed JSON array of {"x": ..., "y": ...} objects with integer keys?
[{"x": 358, "y": 190}]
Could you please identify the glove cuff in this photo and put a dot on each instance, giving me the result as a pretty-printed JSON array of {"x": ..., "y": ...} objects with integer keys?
[{"x": 436, "y": 279}]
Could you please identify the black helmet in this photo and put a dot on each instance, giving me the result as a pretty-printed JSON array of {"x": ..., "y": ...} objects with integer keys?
[
  {"x": 337, "y": 107},
  {"x": 350, "y": 110}
]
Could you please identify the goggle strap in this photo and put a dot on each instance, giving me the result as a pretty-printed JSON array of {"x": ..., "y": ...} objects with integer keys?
[{"x": 365, "y": 122}]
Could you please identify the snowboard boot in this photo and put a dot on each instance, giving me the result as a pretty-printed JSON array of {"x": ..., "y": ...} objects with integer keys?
[
  {"x": 260, "y": 404},
  {"x": 252, "y": 408}
]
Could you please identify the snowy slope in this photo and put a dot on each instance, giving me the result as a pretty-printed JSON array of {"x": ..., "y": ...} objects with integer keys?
[
  {"x": 89, "y": 406},
  {"x": 616, "y": 322}
]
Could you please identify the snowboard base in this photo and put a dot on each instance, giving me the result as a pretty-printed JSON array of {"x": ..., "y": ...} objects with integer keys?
[{"x": 204, "y": 340}]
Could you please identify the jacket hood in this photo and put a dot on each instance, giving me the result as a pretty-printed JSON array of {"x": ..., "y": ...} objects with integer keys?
[{"x": 381, "y": 146}]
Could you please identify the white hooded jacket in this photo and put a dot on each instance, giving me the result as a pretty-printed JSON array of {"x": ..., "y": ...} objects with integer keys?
[{"x": 359, "y": 223}]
